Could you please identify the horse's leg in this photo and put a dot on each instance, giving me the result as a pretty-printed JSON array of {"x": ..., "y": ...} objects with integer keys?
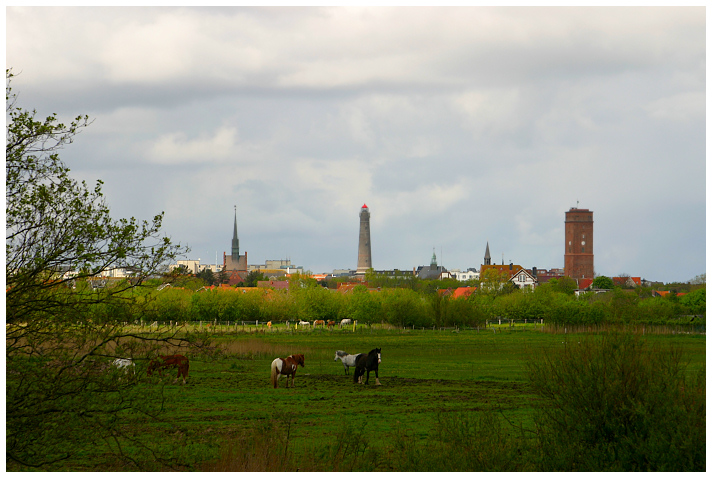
[{"x": 377, "y": 382}]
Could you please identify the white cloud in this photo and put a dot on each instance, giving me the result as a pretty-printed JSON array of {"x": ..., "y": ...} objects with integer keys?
[
  {"x": 175, "y": 148},
  {"x": 687, "y": 106}
]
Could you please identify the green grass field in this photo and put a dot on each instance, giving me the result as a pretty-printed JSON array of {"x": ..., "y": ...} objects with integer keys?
[{"x": 425, "y": 376}]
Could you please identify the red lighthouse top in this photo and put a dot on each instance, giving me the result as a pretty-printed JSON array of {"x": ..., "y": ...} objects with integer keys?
[{"x": 364, "y": 207}]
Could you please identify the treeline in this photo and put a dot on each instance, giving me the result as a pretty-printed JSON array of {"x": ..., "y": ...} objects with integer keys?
[{"x": 553, "y": 303}]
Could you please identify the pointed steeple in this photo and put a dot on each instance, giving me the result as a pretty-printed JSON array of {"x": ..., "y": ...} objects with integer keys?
[
  {"x": 488, "y": 259},
  {"x": 434, "y": 260},
  {"x": 235, "y": 240}
]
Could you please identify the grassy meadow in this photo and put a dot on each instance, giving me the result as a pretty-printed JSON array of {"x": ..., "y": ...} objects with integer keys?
[{"x": 438, "y": 387}]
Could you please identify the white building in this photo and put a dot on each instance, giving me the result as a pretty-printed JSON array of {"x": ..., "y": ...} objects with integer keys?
[
  {"x": 194, "y": 266},
  {"x": 523, "y": 279},
  {"x": 469, "y": 274}
]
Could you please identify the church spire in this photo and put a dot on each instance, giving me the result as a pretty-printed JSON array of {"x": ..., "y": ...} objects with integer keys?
[
  {"x": 488, "y": 259},
  {"x": 235, "y": 240}
]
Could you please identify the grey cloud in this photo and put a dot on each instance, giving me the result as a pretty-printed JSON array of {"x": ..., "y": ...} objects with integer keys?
[{"x": 455, "y": 126}]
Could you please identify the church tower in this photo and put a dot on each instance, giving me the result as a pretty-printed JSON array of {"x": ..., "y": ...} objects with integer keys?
[
  {"x": 578, "y": 253},
  {"x": 364, "y": 242},
  {"x": 488, "y": 259},
  {"x": 235, "y": 264},
  {"x": 235, "y": 240}
]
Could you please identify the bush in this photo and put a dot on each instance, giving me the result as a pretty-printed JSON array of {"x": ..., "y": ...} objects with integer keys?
[
  {"x": 616, "y": 404},
  {"x": 578, "y": 313},
  {"x": 406, "y": 308}
]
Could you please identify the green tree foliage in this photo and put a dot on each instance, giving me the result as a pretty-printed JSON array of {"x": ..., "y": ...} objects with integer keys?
[
  {"x": 406, "y": 308},
  {"x": 208, "y": 277},
  {"x": 493, "y": 282},
  {"x": 64, "y": 324},
  {"x": 602, "y": 282},
  {"x": 317, "y": 303},
  {"x": 695, "y": 301},
  {"x": 462, "y": 312},
  {"x": 364, "y": 306},
  {"x": 253, "y": 278},
  {"x": 618, "y": 404}
]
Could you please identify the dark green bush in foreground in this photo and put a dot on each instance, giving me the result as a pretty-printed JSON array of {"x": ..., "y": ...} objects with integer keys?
[{"x": 614, "y": 404}]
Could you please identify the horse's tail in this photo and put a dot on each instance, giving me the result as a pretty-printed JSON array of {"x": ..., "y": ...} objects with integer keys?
[{"x": 273, "y": 376}]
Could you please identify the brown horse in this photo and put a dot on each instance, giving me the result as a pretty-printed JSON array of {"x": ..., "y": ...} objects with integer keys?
[
  {"x": 286, "y": 366},
  {"x": 319, "y": 322},
  {"x": 331, "y": 324},
  {"x": 170, "y": 361}
]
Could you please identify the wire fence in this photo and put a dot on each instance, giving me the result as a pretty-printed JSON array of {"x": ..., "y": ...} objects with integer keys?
[{"x": 498, "y": 325}]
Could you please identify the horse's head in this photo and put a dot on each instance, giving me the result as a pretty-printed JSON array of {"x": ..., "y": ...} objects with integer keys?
[
  {"x": 339, "y": 354},
  {"x": 377, "y": 353},
  {"x": 299, "y": 358}
]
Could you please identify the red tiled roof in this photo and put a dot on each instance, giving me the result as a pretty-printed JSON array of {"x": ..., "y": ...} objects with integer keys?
[
  {"x": 463, "y": 292},
  {"x": 584, "y": 283},
  {"x": 275, "y": 284},
  {"x": 502, "y": 268},
  {"x": 665, "y": 293},
  {"x": 346, "y": 287},
  {"x": 624, "y": 280}
]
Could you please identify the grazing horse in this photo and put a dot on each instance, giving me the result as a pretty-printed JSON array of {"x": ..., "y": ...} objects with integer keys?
[
  {"x": 286, "y": 366},
  {"x": 304, "y": 323},
  {"x": 367, "y": 363},
  {"x": 319, "y": 322},
  {"x": 345, "y": 322},
  {"x": 331, "y": 324},
  {"x": 170, "y": 361},
  {"x": 125, "y": 365},
  {"x": 347, "y": 359}
]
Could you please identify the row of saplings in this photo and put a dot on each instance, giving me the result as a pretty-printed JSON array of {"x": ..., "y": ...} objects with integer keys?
[{"x": 287, "y": 367}]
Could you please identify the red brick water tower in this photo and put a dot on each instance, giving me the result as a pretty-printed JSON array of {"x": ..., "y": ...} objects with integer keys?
[{"x": 578, "y": 255}]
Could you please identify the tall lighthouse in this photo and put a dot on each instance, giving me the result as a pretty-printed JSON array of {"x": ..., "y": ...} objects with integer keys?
[{"x": 364, "y": 242}]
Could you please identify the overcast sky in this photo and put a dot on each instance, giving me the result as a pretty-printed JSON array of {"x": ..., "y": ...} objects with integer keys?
[{"x": 456, "y": 126}]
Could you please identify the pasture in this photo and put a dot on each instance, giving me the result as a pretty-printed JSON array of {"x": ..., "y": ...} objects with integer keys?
[{"x": 228, "y": 417}]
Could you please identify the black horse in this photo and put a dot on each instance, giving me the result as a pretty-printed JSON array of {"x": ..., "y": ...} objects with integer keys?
[{"x": 367, "y": 363}]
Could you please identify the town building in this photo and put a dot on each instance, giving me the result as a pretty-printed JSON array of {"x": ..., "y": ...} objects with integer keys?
[
  {"x": 433, "y": 271},
  {"x": 470, "y": 274},
  {"x": 276, "y": 268}
]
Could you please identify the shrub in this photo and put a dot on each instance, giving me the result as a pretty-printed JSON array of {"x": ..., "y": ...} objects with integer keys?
[
  {"x": 616, "y": 404},
  {"x": 406, "y": 308}
]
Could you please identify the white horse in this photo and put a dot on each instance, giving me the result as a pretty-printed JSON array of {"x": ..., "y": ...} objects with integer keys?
[
  {"x": 345, "y": 322},
  {"x": 304, "y": 323},
  {"x": 125, "y": 365},
  {"x": 347, "y": 359}
]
